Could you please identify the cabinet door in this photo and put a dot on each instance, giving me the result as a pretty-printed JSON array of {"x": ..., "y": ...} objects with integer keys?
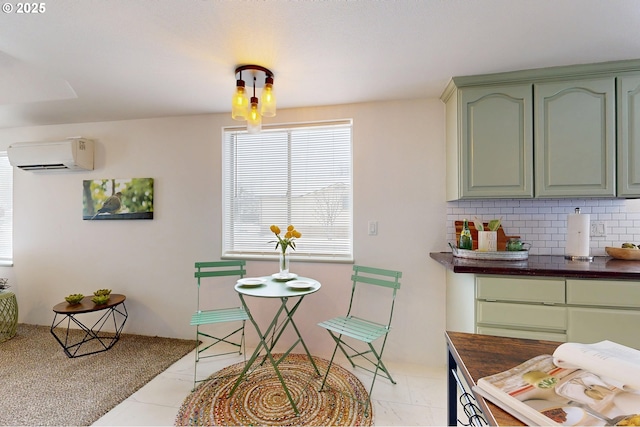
[
  {"x": 628, "y": 87},
  {"x": 518, "y": 333},
  {"x": 604, "y": 293},
  {"x": 521, "y": 316},
  {"x": 575, "y": 138},
  {"x": 497, "y": 142},
  {"x": 589, "y": 325},
  {"x": 515, "y": 288}
]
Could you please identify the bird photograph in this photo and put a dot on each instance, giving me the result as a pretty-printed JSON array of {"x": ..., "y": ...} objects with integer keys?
[
  {"x": 111, "y": 205},
  {"x": 105, "y": 199}
]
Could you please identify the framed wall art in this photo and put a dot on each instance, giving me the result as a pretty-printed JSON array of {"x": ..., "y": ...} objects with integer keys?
[{"x": 109, "y": 199}]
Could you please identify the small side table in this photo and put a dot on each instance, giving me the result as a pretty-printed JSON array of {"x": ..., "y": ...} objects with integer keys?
[
  {"x": 8, "y": 315},
  {"x": 94, "y": 340}
]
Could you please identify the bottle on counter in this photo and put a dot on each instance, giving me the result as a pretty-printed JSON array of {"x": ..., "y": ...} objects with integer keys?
[{"x": 466, "y": 241}]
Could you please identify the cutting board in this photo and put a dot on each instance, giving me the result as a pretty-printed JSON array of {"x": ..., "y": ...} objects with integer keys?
[{"x": 502, "y": 238}]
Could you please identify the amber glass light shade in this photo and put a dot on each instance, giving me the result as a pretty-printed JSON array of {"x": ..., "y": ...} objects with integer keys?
[
  {"x": 268, "y": 101},
  {"x": 239, "y": 103},
  {"x": 254, "y": 121}
]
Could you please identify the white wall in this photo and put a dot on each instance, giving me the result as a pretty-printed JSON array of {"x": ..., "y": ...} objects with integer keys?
[{"x": 399, "y": 171}]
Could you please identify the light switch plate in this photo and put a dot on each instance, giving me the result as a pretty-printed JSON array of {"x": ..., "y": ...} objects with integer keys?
[
  {"x": 598, "y": 229},
  {"x": 373, "y": 228}
]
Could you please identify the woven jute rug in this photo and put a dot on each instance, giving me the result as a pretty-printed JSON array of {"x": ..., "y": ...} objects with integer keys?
[
  {"x": 40, "y": 385},
  {"x": 261, "y": 400}
]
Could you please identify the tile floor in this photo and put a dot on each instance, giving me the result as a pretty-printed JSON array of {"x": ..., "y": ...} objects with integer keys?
[{"x": 418, "y": 398}]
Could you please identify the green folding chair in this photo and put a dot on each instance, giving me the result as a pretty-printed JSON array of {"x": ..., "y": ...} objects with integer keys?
[
  {"x": 350, "y": 332},
  {"x": 214, "y": 315}
]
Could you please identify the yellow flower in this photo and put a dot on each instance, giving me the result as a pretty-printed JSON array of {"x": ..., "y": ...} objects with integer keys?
[{"x": 287, "y": 241}]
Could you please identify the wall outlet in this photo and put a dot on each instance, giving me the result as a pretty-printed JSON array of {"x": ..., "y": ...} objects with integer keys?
[{"x": 598, "y": 229}]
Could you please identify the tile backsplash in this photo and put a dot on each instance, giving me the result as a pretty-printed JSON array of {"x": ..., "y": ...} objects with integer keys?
[{"x": 543, "y": 222}]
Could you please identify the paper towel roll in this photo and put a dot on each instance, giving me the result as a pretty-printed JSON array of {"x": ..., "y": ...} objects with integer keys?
[{"x": 578, "y": 235}]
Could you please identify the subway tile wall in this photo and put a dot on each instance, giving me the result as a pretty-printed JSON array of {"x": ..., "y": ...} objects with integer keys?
[{"x": 543, "y": 222}]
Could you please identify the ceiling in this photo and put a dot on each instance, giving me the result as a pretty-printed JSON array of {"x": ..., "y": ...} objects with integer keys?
[{"x": 100, "y": 60}]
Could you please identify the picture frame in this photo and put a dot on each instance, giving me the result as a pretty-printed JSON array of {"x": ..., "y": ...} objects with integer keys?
[{"x": 117, "y": 199}]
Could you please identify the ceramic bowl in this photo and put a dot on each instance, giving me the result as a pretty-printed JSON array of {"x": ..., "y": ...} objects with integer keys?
[
  {"x": 101, "y": 292},
  {"x": 623, "y": 253},
  {"x": 74, "y": 298},
  {"x": 100, "y": 299}
]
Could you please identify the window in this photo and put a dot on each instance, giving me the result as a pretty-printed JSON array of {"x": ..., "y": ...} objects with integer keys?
[
  {"x": 298, "y": 175},
  {"x": 6, "y": 210}
]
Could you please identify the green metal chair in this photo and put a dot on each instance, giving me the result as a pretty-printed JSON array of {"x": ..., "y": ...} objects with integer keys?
[
  {"x": 350, "y": 331},
  {"x": 214, "y": 315}
]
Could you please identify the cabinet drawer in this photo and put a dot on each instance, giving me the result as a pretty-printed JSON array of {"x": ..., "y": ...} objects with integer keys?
[
  {"x": 515, "y": 333},
  {"x": 590, "y": 325},
  {"x": 521, "y": 316},
  {"x": 603, "y": 293},
  {"x": 511, "y": 288}
]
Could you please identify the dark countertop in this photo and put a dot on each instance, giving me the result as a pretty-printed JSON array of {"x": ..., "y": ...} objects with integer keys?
[{"x": 603, "y": 267}]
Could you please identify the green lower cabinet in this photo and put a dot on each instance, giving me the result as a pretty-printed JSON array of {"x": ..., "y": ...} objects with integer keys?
[
  {"x": 588, "y": 325},
  {"x": 521, "y": 320},
  {"x": 522, "y": 316},
  {"x": 610, "y": 310},
  {"x": 557, "y": 309},
  {"x": 603, "y": 293},
  {"x": 518, "y": 333}
]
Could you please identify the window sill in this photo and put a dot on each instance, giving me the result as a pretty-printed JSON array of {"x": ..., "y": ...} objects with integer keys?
[{"x": 293, "y": 258}]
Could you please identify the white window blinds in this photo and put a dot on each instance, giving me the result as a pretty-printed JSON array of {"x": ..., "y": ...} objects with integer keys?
[
  {"x": 300, "y": 175},
  {"x": 6, "y": 210}
]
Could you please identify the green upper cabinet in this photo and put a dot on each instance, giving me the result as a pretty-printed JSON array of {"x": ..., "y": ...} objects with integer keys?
[
  {"x": 497, "y": 142},
  {"x": 489, "y": 142},
  {"x": 575, "y": 138},
  {"x": 628, "y": 135},
  {"x": 558, "y": 132}
]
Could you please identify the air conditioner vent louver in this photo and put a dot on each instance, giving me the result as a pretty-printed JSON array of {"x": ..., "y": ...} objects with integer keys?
[
  {"x": 39, "y": 167},
  {"x": 73, "y": 154}
]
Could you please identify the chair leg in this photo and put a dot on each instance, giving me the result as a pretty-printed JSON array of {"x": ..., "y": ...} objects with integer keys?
[
  {"x": 243, "y": 343},
  {"x": 324, "y": 380},
  {"x": 379, "y": 363},
  {"x": 200, "y": 348},
  {"x": 339, "y": 343},
  {"x": 380, "y": 368},
  {"x": 195, "y": 365}
]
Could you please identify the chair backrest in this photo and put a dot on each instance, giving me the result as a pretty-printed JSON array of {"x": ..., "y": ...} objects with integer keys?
[
  {"x": 218, "y": 269},
  {"x": 378, "y": 277}
]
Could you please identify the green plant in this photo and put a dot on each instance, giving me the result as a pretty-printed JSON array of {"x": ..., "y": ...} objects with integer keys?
[
  {"x": 3, "y": 284},
  {"x": 74, "y": 298}
]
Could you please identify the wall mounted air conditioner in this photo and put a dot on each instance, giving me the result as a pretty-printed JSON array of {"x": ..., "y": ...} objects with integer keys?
[{"x": 73, "y": 154}]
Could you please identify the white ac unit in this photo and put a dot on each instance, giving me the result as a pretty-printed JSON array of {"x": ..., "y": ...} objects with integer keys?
[{"x": 73, "y": 154}]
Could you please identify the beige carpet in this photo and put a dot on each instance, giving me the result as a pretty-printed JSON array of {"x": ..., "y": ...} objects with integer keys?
[{"x": 40, "y": 385}]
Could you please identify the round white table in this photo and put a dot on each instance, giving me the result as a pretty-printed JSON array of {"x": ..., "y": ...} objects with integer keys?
[{"x": 271, "y": 287}]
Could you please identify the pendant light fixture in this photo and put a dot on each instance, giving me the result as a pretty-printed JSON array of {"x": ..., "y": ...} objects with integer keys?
[{"x": 253, "y": 110}]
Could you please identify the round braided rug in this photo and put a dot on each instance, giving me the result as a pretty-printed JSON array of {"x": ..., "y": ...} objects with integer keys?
[{"x": 261, "y": 400}]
